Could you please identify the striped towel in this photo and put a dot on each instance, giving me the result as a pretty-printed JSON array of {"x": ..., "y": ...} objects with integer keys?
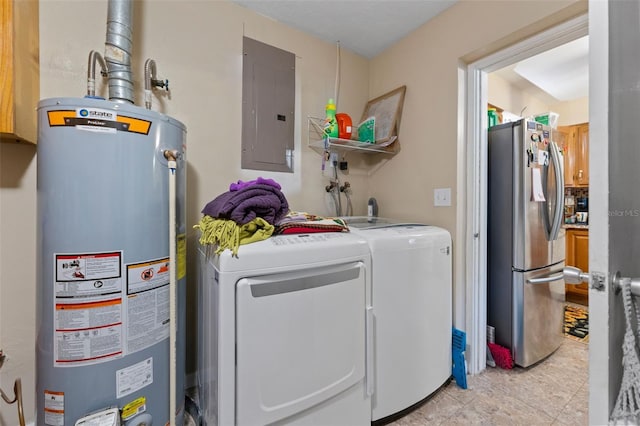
[{"x": 304, "y": 223}]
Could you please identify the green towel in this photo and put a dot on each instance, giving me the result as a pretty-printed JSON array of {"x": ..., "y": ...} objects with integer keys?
[
  {"x": 367, "y": 130},
  {"x": 227, "y": 234}
]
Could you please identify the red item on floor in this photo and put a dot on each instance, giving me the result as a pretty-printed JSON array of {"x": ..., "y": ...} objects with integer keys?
[{"x": 501, "y": 355}]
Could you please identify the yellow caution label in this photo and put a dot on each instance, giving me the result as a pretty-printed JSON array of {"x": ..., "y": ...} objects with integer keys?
[
  {"x": 135, "y": 125},
  {"x": 181, "y": 252},
  {"x": 135, "y": 407},
  {"x": 57, "y": 118}
]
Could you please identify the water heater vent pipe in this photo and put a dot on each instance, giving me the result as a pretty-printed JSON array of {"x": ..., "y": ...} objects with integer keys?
[{"x": 117, "y": 51}]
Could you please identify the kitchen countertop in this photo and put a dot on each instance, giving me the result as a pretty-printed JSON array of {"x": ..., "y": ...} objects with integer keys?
[{"x": 575, "y": 226}]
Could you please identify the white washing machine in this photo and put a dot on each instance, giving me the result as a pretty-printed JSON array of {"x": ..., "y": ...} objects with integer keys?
[
  {"x": 412, "y": 305},
  {"x": 282, "y": 335}
]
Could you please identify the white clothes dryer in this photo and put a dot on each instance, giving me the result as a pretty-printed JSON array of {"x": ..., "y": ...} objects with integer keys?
[
  {"x": 412, "y": 305},
  {"x": 282, "y": 335}
]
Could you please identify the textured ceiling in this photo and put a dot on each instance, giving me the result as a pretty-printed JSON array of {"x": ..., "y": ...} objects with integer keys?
[{"x": 366, "y": 27}]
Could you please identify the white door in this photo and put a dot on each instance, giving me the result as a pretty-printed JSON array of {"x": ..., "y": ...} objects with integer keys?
[{"x": 614, "y": 209}]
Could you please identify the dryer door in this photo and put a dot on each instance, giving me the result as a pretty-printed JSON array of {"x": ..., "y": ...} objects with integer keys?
[{"x": 300, "y": 342}]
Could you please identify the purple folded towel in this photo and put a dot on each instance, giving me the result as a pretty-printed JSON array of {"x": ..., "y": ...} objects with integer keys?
[
  {"x": 244, "y": 205},
  {"x": 241, "y": 185}
]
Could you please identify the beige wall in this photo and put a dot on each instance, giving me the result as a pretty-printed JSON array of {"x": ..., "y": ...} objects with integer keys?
[
  {"x": 197, "y": 46},
  {"x": 17, "y": 273},
  {"x": 428, "y": 62},
  {"x": 506, "y": 96},
  {"x": 572, "y": 112}
]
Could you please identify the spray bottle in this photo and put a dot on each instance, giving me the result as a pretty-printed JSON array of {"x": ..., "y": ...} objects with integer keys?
[{"x": 330, "y": 123}]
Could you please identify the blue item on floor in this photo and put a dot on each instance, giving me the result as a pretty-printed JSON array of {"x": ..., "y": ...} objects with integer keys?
[{"x": 458, "y": 346}]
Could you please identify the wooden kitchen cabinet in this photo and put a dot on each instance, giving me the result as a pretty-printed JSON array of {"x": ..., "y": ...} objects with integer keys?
[
  {"x": 577, "y": 254},
  {"x": 568, "y": 149},
  {"x": 582, "y": 152},
  {"x": 19, "y": 70},
  {"x": 576, "y": 154}
]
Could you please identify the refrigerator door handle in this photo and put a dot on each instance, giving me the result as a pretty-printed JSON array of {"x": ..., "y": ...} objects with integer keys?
[
  {"x": 547, "y": 279},
  {"x": 556, "y": 159}
]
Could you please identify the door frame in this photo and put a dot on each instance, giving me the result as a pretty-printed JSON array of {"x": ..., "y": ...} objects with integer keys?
[
  {"x": 471, "y": 273},
  {"x": 605, "y": 331}
]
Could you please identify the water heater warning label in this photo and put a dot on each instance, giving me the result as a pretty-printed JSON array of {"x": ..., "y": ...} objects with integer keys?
[
  {"x": 181, "y": 252},
  {"x": 88, "y": 310},
  {"x": 147, "y": 304},
  {"x": 133, "y": 378},
  {"x": 53, "y": 408},
  {"x": 134, "y": 408}
]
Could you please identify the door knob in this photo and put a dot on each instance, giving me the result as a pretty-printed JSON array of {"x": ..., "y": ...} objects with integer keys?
[
  {"x": 573, "y": 275},
  {"x": 617, "y": 284}
]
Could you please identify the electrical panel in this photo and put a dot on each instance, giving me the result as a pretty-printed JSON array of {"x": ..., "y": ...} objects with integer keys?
[{"x": 268, "y": 102}]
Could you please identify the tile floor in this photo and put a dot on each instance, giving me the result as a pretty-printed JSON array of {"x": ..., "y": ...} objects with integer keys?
[{"x": 553, "y": 392}]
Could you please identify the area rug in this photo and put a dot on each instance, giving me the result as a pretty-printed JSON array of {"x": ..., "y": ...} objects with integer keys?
[{"x": 576, "y": 323}]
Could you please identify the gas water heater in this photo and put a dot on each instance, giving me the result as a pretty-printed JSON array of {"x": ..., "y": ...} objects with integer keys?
[
  {"x": 111, "y": 267},
  {"x": 103, "y": 276}
]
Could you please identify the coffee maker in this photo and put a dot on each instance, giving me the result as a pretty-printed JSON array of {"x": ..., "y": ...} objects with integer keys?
[{"x": 582, "y": 210}]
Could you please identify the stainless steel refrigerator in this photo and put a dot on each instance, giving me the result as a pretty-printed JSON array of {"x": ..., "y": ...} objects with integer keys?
[{"x": 526, "y": 241}]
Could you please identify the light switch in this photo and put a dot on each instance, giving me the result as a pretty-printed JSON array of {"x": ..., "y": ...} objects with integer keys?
[{"x": 442, "y": 197}]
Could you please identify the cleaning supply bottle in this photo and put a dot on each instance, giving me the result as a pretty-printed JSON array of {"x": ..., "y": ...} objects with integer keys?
[
  {"x": 372, "y": 209},
  {"x": 344, "y": 125},
  {"x": 330, "y": 123},
  {"x": 492, "y": 116}
]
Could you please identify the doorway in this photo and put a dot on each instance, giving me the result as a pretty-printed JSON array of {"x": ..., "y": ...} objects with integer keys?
[
  {"x": 614, "y": 174},
  {"x": 473, "y": 178}
]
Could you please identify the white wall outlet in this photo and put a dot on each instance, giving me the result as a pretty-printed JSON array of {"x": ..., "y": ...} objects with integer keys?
[{"x": 442, "y": 197}]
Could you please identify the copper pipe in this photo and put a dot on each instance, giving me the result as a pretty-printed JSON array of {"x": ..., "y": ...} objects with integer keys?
[{"x": 17, "y": 392}]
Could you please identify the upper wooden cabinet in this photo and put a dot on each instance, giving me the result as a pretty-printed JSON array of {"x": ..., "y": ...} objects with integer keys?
[
  {"x": 576, "y": 154},
  {"x": 19, "y": 70},
  {"x": 582, "y": 162},
  {"x": 568, "y": 149}
]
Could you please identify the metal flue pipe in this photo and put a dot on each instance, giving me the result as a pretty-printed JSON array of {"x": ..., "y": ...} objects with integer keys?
[{"x": 118, "y": 50}]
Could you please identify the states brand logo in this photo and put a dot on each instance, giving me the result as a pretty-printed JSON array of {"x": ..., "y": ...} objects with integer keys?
[{"x": 100, "y": 114}]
